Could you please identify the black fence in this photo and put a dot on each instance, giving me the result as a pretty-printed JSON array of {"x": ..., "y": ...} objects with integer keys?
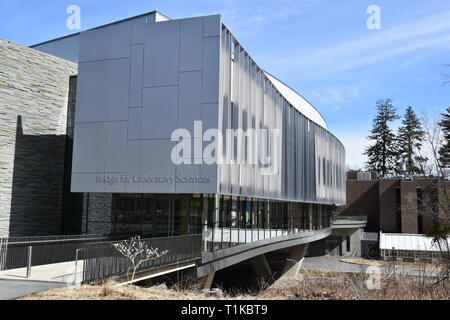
[
  {"x": 102, "y": 260},
  {"x": 14, "y": 251}
]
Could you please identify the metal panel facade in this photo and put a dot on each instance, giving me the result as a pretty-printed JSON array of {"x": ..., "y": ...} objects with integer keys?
[
  {"x": 146, "y": 79},
  {"x": 140, "y": 80},
  {"x": 311, "y": 161}
]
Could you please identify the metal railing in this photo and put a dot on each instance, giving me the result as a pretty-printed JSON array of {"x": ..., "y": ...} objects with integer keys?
[
  {"x": 350, "y": 218},
  {"x": 348, "y": 221},
  {"x": 102, "y": 260},
  {"x": 15, "y": 251}
]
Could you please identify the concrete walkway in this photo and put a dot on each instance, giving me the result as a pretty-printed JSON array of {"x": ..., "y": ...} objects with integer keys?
[
  {"x": 13, "y": 289},
  {"x": 59, "y": 273},
  {"x": 329, "y": 263},
  {"x": 14, "y": 283}
]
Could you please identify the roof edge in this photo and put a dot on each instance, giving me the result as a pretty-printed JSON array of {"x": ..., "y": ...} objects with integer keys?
[{"x": 101, "y": 26}]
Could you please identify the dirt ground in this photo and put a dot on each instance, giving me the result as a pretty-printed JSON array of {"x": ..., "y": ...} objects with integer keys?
[
  {"x": 307, "y": 286},
  {"x": 398, "y": 264}
]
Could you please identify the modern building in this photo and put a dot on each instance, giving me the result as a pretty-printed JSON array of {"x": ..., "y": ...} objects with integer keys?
[
  {"x": 398, "y": 205},
  {"x": 177, "y": 131}
]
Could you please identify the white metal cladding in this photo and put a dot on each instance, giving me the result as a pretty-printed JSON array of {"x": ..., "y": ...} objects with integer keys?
[
  {"x": 312, "y": 159},
  {"x": 408, "y": 242}
]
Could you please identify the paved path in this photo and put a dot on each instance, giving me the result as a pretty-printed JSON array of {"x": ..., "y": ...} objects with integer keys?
[
  {"x": 14, "y": 284},
  {"x": 13, "y": 289},
  {"x": 58, "y": 272},
  {"x": 328, "y": 263}
]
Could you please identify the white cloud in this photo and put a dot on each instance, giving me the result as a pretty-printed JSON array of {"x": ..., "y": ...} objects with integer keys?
[
  {"x": 338, "y": 97},
  {"x": 429, "y": 32}
]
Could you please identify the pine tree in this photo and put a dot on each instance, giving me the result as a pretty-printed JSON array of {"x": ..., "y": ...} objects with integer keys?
[
  {"x": 410, "y": 138},
  {"x": 383, "y": 153},
  {"x": 444, "y": 151}
]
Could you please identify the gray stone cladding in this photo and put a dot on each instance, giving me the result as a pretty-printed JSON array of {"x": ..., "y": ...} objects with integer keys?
[{"x": 33, "y": 113}]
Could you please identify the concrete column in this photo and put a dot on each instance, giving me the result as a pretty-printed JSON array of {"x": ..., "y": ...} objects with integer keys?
[
  {"x": 261, "y": 267},
  {"x": 294, "y": 261},
  {"x": 289, "y": 275},
  {"x": 206, "y": 281}
]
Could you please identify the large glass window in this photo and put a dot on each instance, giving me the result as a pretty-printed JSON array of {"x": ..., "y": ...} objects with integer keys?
[
  {"x": 180, "y": 221},
  {"x": 148, "y": 214},
  {"x": 195, "y": 214},
  {"x": 209, "y": 223},
  {"x": 218, "y": 223},
  {"x": 224, "y": 221},
  {"x": 235, "y": 214},
  {"x": 127, "y": 218},
  {"x": 162, "y": 216}
]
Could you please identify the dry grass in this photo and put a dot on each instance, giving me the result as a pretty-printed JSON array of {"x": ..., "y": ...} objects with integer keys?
[
  {"x": 353, "y": 287},
  {"x": 415, "y": 265},
  {"x": 113, "y": 291},
  {"x": 308, "y": 286}
]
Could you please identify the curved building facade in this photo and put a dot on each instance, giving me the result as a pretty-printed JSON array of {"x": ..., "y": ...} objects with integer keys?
[{"x": 178, "y": 131}]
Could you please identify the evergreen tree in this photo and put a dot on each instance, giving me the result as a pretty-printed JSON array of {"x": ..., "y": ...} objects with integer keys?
[
  {"x": 410, "y": 138},
  {"x": 383, "y": 153},
  {"x": 444, "y": 151}
]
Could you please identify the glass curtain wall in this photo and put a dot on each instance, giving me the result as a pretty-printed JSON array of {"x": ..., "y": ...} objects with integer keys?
[
  {"x": 223, "y": 221},
  {"x": 231, "y": 221},
  {"x": 151, "y": 215}
]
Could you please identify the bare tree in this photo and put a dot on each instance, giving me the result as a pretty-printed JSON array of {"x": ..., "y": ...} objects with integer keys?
[
  {"x": 437, "y": 205},
  {"x": 137, "y": 252}
]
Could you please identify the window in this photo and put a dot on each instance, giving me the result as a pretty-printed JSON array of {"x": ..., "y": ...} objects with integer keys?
[
  {"x": 347, "y": 240},
  {"x": 398, "y": 210},
  {"x": 419, "y": 211}
]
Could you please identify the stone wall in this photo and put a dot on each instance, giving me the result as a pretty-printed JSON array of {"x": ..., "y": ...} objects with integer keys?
[
  {"x": 33, "y": 113},
  {"x": 97, "y": 213}
]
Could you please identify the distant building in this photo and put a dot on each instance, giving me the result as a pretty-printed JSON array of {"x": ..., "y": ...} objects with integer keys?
[
  {"x": 405, "y": 205},
  {"x": 411, "y": 247},
  {"x": 394, "y": 205}
]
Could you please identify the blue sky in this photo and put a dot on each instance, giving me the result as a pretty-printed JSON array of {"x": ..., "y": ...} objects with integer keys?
[{"x": 321, "y": 48}]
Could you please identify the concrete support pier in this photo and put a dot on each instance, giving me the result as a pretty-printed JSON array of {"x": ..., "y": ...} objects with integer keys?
[
  {"x": 261, "y": 267},
  {"x": 294, "y": 260},
  {"x": 289, "y": 275},
  {"x": 206, "y": 281}
]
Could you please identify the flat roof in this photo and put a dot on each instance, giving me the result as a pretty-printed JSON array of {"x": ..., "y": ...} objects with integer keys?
[{"x": 101, "y": 26}]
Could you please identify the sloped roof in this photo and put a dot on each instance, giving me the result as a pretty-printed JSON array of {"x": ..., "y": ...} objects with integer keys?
[
  {"x": 298, "y": 102},
  {"x": 410, "y": 242}
]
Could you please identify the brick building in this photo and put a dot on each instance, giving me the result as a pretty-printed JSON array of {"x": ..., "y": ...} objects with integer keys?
[
  {"x": 402, "y": 205},
  {"x": 395, "y": 205}
]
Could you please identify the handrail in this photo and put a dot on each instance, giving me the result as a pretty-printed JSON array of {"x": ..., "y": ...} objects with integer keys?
[
  {"x": 102, "y": 260},
  {"x": 46, "y": 249}
]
